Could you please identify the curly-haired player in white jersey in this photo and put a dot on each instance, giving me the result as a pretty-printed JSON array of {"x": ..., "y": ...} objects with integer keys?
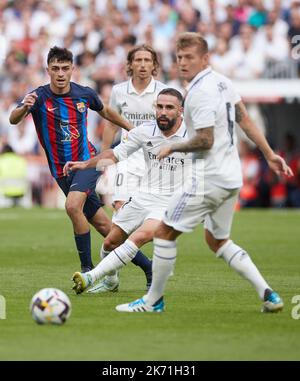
[
  {"x": 135, "y": 101},
  {"x": 136, "y": 221},
  {"x": 211, "y": 109}
]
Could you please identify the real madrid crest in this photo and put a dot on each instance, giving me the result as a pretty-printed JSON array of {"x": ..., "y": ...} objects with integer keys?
[{"x": 80, "y": 106}]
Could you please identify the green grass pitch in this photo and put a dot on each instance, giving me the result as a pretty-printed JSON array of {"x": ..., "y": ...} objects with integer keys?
[{"x": 211, "y": 313}]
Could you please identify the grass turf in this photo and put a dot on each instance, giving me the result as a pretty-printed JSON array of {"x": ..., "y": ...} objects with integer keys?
[{"x": 211, "y": 313}]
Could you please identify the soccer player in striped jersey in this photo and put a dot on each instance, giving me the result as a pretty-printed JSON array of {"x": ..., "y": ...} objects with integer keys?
[{"x": 59, "y": 110}]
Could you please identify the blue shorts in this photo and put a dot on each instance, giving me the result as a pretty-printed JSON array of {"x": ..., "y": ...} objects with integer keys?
[{"x": 83, "y": 181}]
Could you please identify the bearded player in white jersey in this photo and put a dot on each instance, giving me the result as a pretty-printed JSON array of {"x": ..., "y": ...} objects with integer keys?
[
  {"x": 211, "y": 109},
  {"x": 135, "y": 222},
  {"x": 135, "y": 101}
]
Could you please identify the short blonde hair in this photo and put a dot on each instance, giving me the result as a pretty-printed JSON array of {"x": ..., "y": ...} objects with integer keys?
[{"x": 188, "y": 39}]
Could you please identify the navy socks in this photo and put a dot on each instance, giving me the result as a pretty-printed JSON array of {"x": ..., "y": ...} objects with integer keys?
[
  {"x": 83, "y": 244},
  {"x": 145, "y": 264}
]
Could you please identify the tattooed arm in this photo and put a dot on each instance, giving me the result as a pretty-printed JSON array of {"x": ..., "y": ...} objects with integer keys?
[{"x": 203, "y": 140}]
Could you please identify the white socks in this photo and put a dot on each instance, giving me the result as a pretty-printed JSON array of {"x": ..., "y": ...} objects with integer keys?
[
  {"x": 114, "y": 260},
  {"x": 103, "y": 253},
  {"x": 112, "y": 276},
  {"x": 240, "y": 261},
  {"x": 163, "y": 262}
]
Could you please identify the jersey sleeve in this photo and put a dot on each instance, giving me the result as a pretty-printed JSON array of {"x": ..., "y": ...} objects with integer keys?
[
  {"x": 202, "y": 108},
  {"x": 235, "y": 96},
  {"x": 130, "y": 145},
  {"x": 95, "y": 102}
]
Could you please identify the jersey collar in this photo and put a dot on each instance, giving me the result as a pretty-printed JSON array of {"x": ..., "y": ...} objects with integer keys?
[
  {"x": 198, "y": 78},
  {"x": 181, "y": 132},
  {"x": 149, "y": 89}
]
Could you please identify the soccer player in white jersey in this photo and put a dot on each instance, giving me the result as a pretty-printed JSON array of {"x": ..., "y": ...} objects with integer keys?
[
  {"x": 134, "y": 224},
  {"x": 135, "y": 101},
  {"x": 211, "y": 109}
]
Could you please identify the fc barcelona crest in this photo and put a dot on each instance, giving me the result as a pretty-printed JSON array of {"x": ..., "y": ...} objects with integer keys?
[{"x": 80, "y": 106}]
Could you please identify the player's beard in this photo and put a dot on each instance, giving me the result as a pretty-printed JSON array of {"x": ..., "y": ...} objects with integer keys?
[{"x": 165, "y": 127}]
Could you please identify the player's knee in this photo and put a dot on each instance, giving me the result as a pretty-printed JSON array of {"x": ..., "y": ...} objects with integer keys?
[
  {"x": 72, "y": 208},
  {"x": 110, "y": 243},
  {"x": 105, "y": 227},
  {"x": 102, "y": 227},
  {"x": 142, "y": 237},
  {"x": 166, "y": 232},
  {"x": 74, "y": 204},
  {"x": 101, "y": 222},
  {"x": 213, "y": 243}
]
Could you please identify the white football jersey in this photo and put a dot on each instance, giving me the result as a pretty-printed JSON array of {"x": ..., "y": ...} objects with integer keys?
[
  {"x": 161, "y": 176},
  {"x": 137, "y": 108},
  {"x": 210, "y": 102}
]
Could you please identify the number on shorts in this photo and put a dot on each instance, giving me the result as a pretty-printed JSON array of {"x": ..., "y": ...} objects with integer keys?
[
  {"x": 119, "y": 179},
  {"x": 230, "y": 121}
]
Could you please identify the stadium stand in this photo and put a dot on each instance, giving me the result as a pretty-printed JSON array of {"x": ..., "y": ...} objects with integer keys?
[{"x": 255, "y": 42}]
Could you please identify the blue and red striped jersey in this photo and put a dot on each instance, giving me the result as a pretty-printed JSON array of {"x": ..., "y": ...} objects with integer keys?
[{"x": 61, "y": 124}]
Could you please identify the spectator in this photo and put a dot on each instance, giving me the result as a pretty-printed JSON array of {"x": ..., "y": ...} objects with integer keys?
[
  {"x": 258, "y": 17},
  {"x": 246, "y": 61},
  {"x": 242, "y": 11},
  {"x": 276, "y": 47},
  {"x": 280, "y": 27},
  {"x": 13, "y": 175},
  {"x": 22, "y": 137},
  {"x": 221, "y": 57}
]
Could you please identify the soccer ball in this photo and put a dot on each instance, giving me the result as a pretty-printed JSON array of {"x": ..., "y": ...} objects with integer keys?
[{"x": 50, "y": 306}]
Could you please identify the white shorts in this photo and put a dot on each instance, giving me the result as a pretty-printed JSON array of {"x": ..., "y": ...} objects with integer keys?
[
  {"x": 126, "y": 183},
  {"x": 214, "y": 208},
  {"x": 139, "y": 208}
]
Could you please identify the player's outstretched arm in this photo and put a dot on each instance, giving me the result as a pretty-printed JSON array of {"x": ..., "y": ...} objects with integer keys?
[
  {"x": 279, "y": 166},
  {"x": 203, "y": 140},
  {"x": 110, "y": 114},
  {"x": 109, "y": 133},
  {"x": 19, "y": 113},
  {"x": 104, "y": 159},
  {"x": 275, "y": 162}
]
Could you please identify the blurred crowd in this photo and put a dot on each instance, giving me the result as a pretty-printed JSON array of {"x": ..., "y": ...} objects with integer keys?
[
  {"x": 261, "y": 186},
  {"x": 248, "y": 39}
]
